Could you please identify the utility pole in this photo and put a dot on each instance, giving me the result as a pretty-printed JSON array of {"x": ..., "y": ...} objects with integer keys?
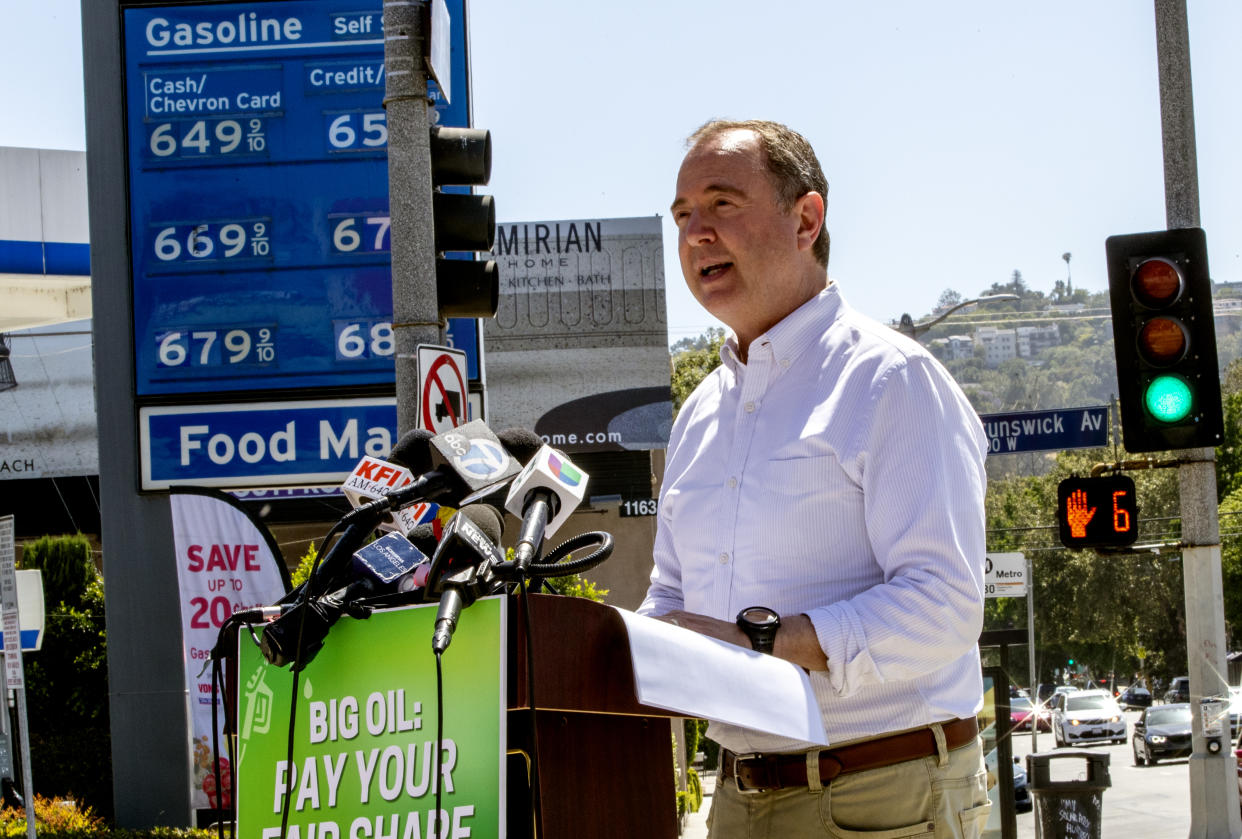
[
  {"x": 415, "y": 311},
  {"x": 1213, "y": 775}
]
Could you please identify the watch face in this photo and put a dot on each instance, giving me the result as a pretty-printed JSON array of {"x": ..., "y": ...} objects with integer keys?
[{"x": 759, "y": 616}]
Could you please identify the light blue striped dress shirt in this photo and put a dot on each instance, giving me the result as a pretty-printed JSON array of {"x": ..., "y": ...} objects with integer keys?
[{"x": 838, "y": 473}]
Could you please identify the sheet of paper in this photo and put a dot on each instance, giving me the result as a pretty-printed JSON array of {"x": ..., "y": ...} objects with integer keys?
[{"x": 679, "y": 670}]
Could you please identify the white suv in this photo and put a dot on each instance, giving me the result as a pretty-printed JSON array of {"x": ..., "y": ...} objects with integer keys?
[{"x": 1087, "y": 716}]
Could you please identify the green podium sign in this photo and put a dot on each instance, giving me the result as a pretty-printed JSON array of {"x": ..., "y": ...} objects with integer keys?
[{"x": 365, "y": 732}]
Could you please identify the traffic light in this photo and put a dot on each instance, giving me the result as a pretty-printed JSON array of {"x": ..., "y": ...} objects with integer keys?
[
  {"x": 461, "y": 158},
  {"x": 1165, "y": 340},
  {"x": 1097, "y": 512}
]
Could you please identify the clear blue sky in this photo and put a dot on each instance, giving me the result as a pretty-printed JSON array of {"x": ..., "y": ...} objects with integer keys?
[{"x": 961, "y": 140}]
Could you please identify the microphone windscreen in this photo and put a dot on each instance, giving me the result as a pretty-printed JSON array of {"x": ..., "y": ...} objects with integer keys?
[
  {"x": 413, "y": 451},
  {"x": 486, "y": 518},
  {"x": 521, "y": 443},
  {"x": 424, "y": 537}
]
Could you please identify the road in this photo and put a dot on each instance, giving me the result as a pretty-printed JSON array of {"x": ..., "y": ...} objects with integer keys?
[
  {"x": 1148, "y": 802},
  {"x": 1144, "y": 802}
]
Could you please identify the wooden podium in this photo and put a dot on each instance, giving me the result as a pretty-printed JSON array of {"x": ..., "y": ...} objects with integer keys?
[{"x": 605, "y": 762}]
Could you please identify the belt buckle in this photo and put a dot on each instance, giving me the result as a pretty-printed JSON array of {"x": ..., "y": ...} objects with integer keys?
[{"x": 737, "y": 775}]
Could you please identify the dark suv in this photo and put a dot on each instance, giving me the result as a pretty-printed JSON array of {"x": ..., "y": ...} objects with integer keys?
[{"x": 1179, "y": 690}]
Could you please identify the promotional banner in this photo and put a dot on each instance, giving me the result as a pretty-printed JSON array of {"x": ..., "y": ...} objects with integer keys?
[
  {"x": 225, "y": 562},
  {"x": 578, "y": 349},
  {"x": 364, "y": 741}
]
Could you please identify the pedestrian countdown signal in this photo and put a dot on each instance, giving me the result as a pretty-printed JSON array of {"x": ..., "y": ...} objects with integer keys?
[{"x": 1097, "y": 512}]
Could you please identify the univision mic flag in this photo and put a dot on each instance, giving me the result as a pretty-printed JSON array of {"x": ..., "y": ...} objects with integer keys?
[{"x": 226, "y": 561}]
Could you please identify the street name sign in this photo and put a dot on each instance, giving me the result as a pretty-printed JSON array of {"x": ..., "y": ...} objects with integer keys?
[{"x": 1041, "y": 431}]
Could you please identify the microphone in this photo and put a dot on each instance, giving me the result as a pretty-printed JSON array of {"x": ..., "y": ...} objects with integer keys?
[
  {"x": 462, "y": 567},
  {"x": 394, "y": 561},
  {"x": 390, "y": 569},
  {"x": 543, "y": 496},
  {"x": 468, "y": 461},
  {"x": 374, "y": 478}
]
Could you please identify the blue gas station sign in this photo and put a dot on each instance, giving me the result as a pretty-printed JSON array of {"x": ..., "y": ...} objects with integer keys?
[
  {"x": 273, "y": 444},
  {"x": 258, "y": 186}
]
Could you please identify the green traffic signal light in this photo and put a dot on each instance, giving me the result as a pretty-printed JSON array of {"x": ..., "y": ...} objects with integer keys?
[
  {"x": 1160, "y": 292},
  {"x": 1071, "y": 662},
  {"x": 1169, "y": 399}
]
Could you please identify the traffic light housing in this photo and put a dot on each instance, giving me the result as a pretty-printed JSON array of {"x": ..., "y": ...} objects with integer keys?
[
  {"x": 1165, "y": 340},
  {"x": 463, "y": 222},
  {"x": 1097, "y": 512}
]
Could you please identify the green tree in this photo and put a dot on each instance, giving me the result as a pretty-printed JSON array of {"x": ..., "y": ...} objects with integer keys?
[
  {"x": 67, "y": 680},
  {"x": 948, "y": 298},
  {"x": 691, "y": 365},
  {"x": 1119, "y": 612}
]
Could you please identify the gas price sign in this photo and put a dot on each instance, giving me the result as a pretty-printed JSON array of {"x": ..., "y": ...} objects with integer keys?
[{"x": 258, "y": 186}]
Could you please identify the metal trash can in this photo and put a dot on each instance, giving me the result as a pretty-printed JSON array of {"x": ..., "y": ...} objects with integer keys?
[{"x": 1067, "y": 809}]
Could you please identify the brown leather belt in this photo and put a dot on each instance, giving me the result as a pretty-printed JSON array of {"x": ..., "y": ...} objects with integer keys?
[{"x": 761, "y": 772}]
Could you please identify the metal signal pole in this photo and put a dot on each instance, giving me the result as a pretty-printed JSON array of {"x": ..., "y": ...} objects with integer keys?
[
  {"x": 1213, "y": 773},
  {"x": 415, "y": 310}
]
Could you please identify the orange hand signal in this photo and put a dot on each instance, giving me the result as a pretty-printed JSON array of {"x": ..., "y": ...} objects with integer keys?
[{"x": 1077, "y": 514}]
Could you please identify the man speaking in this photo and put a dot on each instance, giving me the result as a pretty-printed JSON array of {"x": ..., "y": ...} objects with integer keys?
[{"x": 822, "y": 501}]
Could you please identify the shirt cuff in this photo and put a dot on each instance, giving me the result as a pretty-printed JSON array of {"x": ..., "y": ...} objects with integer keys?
[{"x": 841, "y": 637}]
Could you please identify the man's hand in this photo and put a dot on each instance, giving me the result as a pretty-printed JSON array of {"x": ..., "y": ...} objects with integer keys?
[
  {"x": 1077, "y": 514},
  {"x": 796, "y": 640}
]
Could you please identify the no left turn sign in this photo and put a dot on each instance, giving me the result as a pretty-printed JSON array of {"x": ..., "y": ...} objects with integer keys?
[{"x": 441, "y": 388}]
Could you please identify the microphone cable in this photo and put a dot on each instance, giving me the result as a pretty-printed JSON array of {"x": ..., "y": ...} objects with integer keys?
[
  {"x": 435, "y": 778},
  {"x": 296, "y": 669},
  {"x": 551, "y": 566},
  {"x": 224, "y": 650},
  {"x": 535, "y": 797}
]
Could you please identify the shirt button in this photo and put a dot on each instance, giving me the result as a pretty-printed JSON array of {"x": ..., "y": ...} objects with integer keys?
[
  {"x": 750, "y": 407},
  {"x": 724, "y": 559},
  {"x": 732, "y": 483},
  {"x": 785, "y": 363}
]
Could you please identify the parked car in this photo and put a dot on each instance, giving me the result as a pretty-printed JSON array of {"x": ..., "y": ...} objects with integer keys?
[
  {"x": 1235, "y": 711},
  {"x": 1135, "y": 696},
  {"x": 1179, "y": 690},
  {"x": 1022, "y": 713},
  {"x": 1162, "y": 731},
  {"x": 1237, "y": 753},
  {"x": 1022, "y": 802},
  {"x": 1087, "y": 716}
]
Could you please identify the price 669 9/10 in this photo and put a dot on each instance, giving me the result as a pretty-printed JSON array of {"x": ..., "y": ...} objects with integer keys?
[{"x": 213, "y": 241}]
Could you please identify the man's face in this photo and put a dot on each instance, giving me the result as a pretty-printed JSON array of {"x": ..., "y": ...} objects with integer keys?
[{"x": 741, "y": 253}]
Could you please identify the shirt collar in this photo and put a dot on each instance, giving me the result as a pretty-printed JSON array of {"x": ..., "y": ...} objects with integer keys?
[{"x": 800, "y": 329}]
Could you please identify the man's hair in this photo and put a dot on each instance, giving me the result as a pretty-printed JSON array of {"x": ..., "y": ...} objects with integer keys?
[{"x": 790, "y": 161}]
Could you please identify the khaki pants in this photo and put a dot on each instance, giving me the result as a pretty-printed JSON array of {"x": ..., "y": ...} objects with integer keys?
[{"x": 939, "y": 797}]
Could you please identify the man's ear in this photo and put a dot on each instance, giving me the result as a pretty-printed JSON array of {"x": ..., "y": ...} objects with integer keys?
[{"x": 810, "y": 211}]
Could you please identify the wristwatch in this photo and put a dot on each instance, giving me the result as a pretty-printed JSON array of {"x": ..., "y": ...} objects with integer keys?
[{"x": 760, "y": 624}]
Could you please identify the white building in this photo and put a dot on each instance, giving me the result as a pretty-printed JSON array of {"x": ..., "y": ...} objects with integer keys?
[{"x": 1021, "y": 342}]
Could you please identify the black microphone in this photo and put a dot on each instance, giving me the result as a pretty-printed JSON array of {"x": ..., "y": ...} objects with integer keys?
[
  {"x": 388, "y": 571},
  {"x": 466, "y": 462},
  {"x": 373, "y": 478},
  {"x": 461, "y": 569},
  {"x": 543, "y": 496}
]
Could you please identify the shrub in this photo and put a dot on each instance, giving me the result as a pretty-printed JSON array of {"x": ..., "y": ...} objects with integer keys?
[
  {"x": 62, "y": 818},
  {"x": 67, "y": 680}
]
